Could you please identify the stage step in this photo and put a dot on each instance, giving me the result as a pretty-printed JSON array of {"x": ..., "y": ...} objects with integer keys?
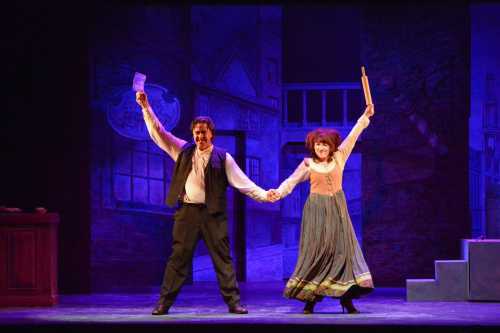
[
  {"x": 483, "y": 256},
  {"x": 475, "y": 278},
  {"x": 450, "y": 283}
]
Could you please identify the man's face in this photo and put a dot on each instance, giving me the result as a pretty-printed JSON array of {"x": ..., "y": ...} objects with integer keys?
[{"x": 202, "y": 136}]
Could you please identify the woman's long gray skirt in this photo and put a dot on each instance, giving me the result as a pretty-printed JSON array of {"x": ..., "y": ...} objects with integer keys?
[{"x": 330, "y": 261}]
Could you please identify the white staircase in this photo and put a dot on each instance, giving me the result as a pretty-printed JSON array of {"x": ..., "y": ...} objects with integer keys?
[
  {"x": 475, "y": 277},
  {"x": 450, "y": 283}
]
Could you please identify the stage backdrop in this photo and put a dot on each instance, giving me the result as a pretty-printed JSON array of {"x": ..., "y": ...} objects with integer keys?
[
  {"x": 220, "y": 61},
  {"x": 484, "y": 155},
  {"x": 75, "y": 141},
  {"x": 415, "y": 161}
]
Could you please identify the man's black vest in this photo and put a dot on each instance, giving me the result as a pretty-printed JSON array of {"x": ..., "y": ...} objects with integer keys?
[{"x": 215, "y": 178}]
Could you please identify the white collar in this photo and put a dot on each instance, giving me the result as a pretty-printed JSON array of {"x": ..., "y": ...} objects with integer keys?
[
  {"x": 322, "y": 167},
  {"x": 205, "y": 152}
]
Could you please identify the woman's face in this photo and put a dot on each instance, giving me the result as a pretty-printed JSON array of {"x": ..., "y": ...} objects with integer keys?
[{"x": 322, "y": 150}]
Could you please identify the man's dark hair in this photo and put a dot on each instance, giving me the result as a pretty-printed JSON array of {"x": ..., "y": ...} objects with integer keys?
[{"x": 204, "y": 120}]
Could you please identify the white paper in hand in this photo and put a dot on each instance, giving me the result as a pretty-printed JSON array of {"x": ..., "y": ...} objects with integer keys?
[{"x": 139, "y": 80}]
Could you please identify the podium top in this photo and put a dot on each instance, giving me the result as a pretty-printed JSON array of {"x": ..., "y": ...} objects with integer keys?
[{"x": 28, "y": 218}]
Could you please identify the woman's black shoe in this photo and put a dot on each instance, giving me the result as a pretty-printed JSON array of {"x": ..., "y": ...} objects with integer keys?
[
  {"x": 346, "y": 303},
  {"x": 309, "y": 307}
]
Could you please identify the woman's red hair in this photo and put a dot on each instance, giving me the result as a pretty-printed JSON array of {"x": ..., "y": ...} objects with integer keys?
[{"x": 327, "y": 135}]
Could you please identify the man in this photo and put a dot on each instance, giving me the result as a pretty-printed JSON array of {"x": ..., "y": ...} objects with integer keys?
[{"x": 201, "y": 175}]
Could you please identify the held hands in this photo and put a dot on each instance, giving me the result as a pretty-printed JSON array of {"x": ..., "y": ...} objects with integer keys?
[
  {"x": 273, "y": 195},
  {"x": 370, "y": 110},
  {"x": 142, "y": 99}
]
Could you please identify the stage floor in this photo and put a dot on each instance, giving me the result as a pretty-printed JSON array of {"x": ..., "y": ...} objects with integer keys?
[{"x": 201, "y": 306}]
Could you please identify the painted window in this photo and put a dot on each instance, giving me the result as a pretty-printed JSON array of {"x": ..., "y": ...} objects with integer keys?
[
  {"x": 140, "y": 174},
  {"x": 253, "y": 169}
]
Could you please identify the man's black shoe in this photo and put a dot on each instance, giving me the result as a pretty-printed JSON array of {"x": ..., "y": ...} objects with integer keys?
[
  {"x": 238, "y": 309},
  {"x": 160, "y": 309}
]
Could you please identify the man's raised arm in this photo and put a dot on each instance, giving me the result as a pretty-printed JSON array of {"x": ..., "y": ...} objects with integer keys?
[{"x": 171, "y": 144}]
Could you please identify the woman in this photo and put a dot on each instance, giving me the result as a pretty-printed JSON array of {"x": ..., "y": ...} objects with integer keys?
[{"x": 330, "y": 261}]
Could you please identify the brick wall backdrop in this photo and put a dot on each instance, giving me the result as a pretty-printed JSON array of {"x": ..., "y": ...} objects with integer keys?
[{"x": 415, "y": 158}]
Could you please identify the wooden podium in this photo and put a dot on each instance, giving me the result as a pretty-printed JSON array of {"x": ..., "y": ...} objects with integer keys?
[{"x": 28, "y": 259}]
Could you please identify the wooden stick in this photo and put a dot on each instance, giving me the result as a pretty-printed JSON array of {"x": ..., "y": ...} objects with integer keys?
[{"x": 366, "y": 86}]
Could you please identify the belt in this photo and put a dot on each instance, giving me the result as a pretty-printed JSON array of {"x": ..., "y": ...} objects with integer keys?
[{"x": 190, "y": 204}]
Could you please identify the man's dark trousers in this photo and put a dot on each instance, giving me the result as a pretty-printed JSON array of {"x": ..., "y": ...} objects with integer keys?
[{"x": 192, "y": 222}]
